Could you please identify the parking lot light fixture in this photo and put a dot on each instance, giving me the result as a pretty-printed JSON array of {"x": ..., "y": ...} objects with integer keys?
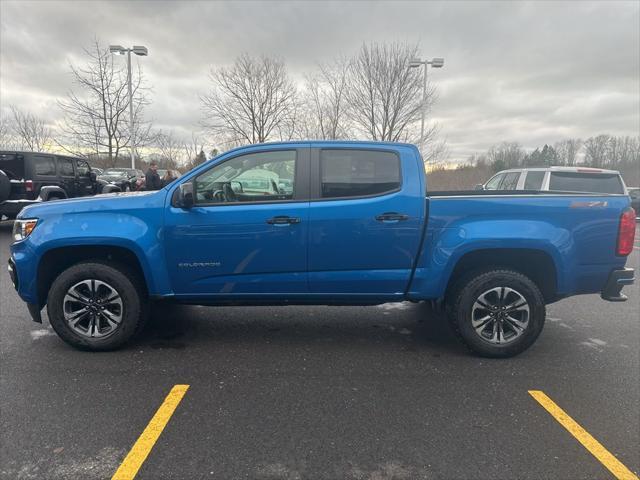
[
  {"x": 117, "y": 49},
  {"x": 437, "y": 62},
  {"x": 141, "y": 51}
]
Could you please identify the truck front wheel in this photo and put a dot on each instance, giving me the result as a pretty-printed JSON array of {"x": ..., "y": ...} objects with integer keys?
[
  {"x": 497, "y": 313},
  {"x": 96, "y": 306}
]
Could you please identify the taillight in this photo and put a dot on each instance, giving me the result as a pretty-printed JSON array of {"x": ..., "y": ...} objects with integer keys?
[
  {"x": 28, "y": 186},
  {"x": 626, "y": 232}
]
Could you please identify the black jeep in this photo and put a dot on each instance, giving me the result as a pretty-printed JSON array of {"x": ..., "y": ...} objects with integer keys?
[{"x": 30, "y": 177}]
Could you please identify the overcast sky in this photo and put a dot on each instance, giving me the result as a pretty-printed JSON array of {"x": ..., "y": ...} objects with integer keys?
[{"x": 531, "y": 72}]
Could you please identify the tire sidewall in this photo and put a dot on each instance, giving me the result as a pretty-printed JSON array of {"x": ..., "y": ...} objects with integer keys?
[
  {"x": 116, "y": 278},
  {"x": 480, "y": 284}
]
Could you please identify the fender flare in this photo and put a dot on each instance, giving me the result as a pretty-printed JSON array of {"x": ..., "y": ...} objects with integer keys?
[{"x": 47, "y": 190}]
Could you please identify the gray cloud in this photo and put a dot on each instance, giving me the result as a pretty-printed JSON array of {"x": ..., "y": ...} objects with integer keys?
[{"x": 532, "y": 72}]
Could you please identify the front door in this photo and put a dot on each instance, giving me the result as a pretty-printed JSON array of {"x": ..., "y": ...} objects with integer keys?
[
  {"x": 365, "y": 223},
  {"x": 84, "y": 182},
  {"x": 246, "y": 234}
]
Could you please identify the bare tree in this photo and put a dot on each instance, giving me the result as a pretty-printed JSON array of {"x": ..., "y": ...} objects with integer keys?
[
  {"x": 596, "y": 149},
  {"x": 30, "y": 131},
  {"x": 326, "y": 101},
  {"x": 171, "y": 149},
  {"x": 251, "y": 101},
  {"x": 506, "y": 155},
  {"x": 6, "y": 136},
  {"x": 385, "y": 95},
  {"x": 567, "y": 150},
  {"x": 97, "y": 114},
  {"x": 194, "y": 151},
  {"x": 620, "y": 151}
]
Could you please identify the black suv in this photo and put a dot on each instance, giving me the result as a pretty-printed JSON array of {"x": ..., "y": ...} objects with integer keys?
[{"x": 30, "y": 177}]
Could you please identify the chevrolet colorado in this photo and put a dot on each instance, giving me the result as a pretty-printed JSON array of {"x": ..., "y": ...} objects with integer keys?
[{"x": 330, "y": 223}]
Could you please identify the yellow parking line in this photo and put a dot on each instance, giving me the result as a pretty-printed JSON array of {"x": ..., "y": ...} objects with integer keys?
[
  {"x": 140, "y": 450},
  {"x": 597, "y": 450}
]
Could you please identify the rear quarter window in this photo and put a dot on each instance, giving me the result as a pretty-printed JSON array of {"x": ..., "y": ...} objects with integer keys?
[
  {"x": 44, "y": 165},
  {"x": 586, "y": 182},
  {"x": 12, "y": 165}
]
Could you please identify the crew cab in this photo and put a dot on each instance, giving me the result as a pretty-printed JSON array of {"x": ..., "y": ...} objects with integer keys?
[{"x": 331, "y": 223}]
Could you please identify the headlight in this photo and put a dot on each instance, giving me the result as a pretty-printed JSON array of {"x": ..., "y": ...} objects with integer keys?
[{"x": 23, "y": 228}]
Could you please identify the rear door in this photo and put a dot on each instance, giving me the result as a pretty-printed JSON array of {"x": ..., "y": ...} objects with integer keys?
[
  {"x": 67, "y": 174},
  {"x": 365, "y": 220},
  {"x": 43, "y": 171}
]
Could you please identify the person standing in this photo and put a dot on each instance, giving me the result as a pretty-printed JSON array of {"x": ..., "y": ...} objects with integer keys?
[{"x": 152, "y": 179}]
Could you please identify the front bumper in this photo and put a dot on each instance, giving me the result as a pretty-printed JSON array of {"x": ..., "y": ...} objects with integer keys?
[
  {"x": 34, "y": 310},
  {"x": 617, "y": 279}
]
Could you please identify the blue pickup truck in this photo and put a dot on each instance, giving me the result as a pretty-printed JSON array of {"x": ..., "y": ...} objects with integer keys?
[{"x": 329, "y": 223}]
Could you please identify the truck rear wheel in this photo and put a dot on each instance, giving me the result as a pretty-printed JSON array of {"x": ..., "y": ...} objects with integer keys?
[
  {"x": 95, "y": 306},
  {"x": 497, "y": 313}
]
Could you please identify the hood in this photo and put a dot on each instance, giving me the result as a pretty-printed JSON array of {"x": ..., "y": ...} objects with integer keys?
[
  {"x": 108, "y": 201},
  {"x": 113, "y": 178}
]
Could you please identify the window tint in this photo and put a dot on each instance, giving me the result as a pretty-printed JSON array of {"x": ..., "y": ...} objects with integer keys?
[
  {"x": 585, "y": 182},
  {"x": 355, "y": 173},
  {"x": 533, "y": 181},
  {"x": 83, "y": 167},
  {"x": 256, "y": 177},
  {"x": 494, "y": 182},
  {"x": 65, "y": 167},
  {"x": 44, "y": 165},
  {"x": 510, "y": 181}
]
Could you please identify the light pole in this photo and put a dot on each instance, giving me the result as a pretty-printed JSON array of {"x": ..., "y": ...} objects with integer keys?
[
  {"x": 435, "y": 63},
  {"x": 143, "y": 52}
]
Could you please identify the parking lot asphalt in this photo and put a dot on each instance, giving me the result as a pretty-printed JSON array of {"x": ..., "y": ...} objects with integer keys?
[{"x": 320, "y": 393}]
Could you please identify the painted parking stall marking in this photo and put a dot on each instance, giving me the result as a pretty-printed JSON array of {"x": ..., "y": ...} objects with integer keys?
[
  {"x": 591, "y": 444},
  {"x": 141, "y": 449}
]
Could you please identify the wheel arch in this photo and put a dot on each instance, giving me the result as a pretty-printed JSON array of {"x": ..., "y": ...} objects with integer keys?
[
  {"x": 536, "y": 264},
  {"x": 56, "y": 260}
]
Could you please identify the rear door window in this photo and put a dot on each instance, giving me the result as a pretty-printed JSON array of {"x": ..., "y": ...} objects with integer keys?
[
  {"x": 586, "y": 182},
  {"x": 510, "y": 181},
  {"x": 358, "y": 173},
  {"x": 44, "y": 165},
  {"x": 65, "y": 167},
  {"x": 533, "y": 180}
]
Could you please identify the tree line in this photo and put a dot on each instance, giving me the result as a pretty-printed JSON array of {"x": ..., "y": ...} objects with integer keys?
[
  {"x": 372, "y": 94},
  {"x": 601, "y": 151}
]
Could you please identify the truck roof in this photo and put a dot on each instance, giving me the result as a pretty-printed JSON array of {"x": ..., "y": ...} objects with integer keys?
[{"x": 576, "y": 169}]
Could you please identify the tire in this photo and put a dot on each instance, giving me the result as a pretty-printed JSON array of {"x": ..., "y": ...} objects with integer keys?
[
  {"x": 129, "y": 309},
  {"x": 482, "y": 312},
  {"x": 54, "y": 196},
  {"x": 5, "y": 186}
]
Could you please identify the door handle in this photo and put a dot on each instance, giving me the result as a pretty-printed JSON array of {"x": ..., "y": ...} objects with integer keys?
[
  {"x": 392, "y": 217},
  {"x": 283, "y": 220}
]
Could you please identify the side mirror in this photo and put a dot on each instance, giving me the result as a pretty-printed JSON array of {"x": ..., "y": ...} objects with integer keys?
[
  {"x": 185, "y": 196},
  {"x": 92, "y": 175},
  {"x": 479, "y": 186}
]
